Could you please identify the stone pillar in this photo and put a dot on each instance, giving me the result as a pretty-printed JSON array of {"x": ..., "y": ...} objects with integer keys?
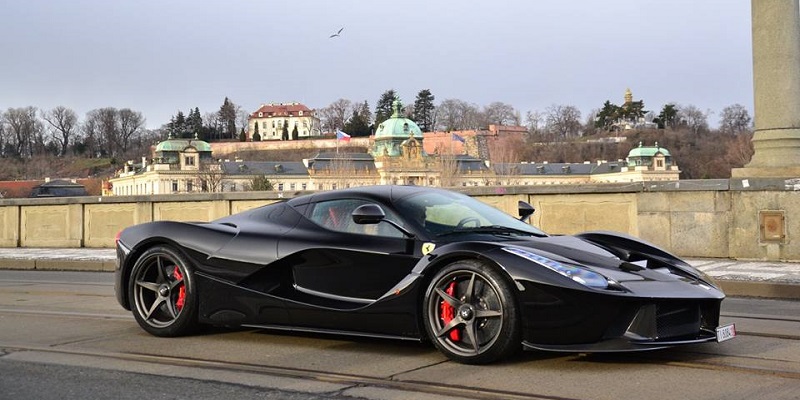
[{"x": 776, "y": 87}]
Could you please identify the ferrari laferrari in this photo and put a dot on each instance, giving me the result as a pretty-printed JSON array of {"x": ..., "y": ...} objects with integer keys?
[{"x": 414, "y": 263}]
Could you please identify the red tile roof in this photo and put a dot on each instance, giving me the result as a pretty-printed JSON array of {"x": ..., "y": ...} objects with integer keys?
[
  {"x": 280, "y": 110},
  {"x": 17, "y": 189}
]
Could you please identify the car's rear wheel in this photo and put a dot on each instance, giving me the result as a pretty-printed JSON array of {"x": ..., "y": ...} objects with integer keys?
[
  {"x": 163, "y": 292},
  {"x": 470, "y": 313}
]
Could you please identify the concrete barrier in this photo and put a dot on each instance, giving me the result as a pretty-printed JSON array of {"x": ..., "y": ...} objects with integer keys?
[{"x": 737, "y": 218}]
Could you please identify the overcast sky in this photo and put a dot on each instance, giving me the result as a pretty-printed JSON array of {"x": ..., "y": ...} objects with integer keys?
[{"x": 162, "y": 56}]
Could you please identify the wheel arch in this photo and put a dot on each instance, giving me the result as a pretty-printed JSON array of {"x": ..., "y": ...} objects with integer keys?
[
  {"x": 133, "y": 256},
  {"x": 440, "y": 262}
]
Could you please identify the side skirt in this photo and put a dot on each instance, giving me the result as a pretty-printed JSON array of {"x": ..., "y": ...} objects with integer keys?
[{"x": 332, "y": 332}]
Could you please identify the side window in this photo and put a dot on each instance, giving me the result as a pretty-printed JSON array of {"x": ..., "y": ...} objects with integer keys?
[{"x": 336, "y": 215}]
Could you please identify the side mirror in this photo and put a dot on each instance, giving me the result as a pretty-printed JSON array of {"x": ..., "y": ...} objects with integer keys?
[
  {"x": 525, "y": 210},
  {"x": 373, "y": 214},
  {"x": 368, "y": 214}
]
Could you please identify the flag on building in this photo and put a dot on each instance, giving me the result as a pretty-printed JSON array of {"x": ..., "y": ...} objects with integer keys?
[
  {"x": 459, "y": 138},
  {"x": 342, "y": 136}
]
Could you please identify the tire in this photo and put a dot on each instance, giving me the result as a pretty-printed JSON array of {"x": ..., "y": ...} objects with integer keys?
[
  {"x": 470, "y": 313},
  {"x": 163, "y": 293}
]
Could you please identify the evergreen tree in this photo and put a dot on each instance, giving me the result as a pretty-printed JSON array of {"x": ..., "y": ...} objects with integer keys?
[
  {"x": 384, "y": 110},
  {"x": 242, "y": 136},
  {"x": 260, "y": 183},
  {"x": 285, "y": 132},
  {"x": 295, "y": 134},
  {"x": 195, "y": 123},
  {"x": 633, "y": 111},
  {"x": 227, "y": 115},
  {"x": 179, "y": 127},
  {"x": 256, "y": 135},
  {"x": 607, "y": 116},
  {"x": 668, "y": 117},
  {"x": 424, "y": 110},
  {"x": 358, "y": 124}
]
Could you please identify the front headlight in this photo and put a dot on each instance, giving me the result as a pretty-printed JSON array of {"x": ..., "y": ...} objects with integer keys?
[{"x": 581, "y": 275}]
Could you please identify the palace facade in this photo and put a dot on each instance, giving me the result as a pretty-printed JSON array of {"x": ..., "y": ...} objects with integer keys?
[{"x": 397, "y": 155}]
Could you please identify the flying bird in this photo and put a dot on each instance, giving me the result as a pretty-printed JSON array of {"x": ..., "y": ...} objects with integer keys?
[{"x": 336, "y": 34}]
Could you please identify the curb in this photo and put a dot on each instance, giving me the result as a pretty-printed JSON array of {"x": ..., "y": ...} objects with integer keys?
[
  {"x": 769, "y": 290},
  {"x": 58, "y": 265}
]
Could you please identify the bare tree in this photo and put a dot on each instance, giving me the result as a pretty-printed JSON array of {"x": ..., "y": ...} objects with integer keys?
[
  {"x": 589, "y": 127},
  {"x": 500, "y": 113},
  {"x": 740, "y": 150},
  {"x": 63, "y": 123},
  {"x": 210, "y": 176},
  {"x": 211, "y": 120},
  {"x": 735, "y": 119},
  {"x": 693, "y": 118},
  {"x": 456, "y": 115},
  {"x": 131, "y": 123},
  {"x": 504, "y": 152},
  {"x": 336, "y": 114},
  {"x": 25, "y": 130},
  {"x": 91, "y": 133},
  {"x": 563, "y": 121},
  {"x": 109, "y": 130},
  {"x": 341, "y": 170},
  {"x": 2, "y": 137},
  {"x": 242, "y": 117},
  {"x": 534, "y": 121},
  {"x": 448, "y": 170}
]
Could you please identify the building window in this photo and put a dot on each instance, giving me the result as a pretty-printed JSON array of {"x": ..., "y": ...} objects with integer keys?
[
  {"x": 174, "y": 186},
  {"x": 264, "y": 124},
  {"x": 292, "y": 186},
  {"x": 280, "y": 187},
  {"x": 233, "y": 187},
  {"x": 660, "y": 163},
  {"x": 304, "y": 186},
  {"x": 189, "y": 186},
  {"x": 189, "y": 160}
]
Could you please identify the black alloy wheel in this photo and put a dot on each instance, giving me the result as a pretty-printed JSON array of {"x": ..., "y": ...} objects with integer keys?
[
  {"x": 470, "y": 313},
  {"x": 163, "y": 293}
]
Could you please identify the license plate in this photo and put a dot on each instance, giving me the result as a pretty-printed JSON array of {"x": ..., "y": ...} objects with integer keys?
[{"x": 726, "y": 332}]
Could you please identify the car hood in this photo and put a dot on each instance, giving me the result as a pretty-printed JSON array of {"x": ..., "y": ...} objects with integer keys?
[
  {"x": 570, "y": 249},
  {"x": 580, "y": 251}
]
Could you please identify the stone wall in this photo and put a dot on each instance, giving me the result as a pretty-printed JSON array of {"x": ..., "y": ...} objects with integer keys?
[{"x": 734, "y": 218}]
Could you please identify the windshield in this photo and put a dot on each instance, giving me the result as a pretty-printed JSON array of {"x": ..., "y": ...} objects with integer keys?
[{"x": 443, "y": 213}]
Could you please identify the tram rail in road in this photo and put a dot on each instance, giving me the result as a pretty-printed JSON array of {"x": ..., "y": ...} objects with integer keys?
[{"x": 67, "y": 319}]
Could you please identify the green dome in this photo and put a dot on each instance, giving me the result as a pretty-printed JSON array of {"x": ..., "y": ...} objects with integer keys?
[
  {"x": 648, "y": 151},
  {"x": 397, "y": 126},
  {"x": 183, "y": 144}
]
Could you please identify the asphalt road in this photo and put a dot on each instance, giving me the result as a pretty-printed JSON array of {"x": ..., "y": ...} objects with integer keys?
[{"x": 63, "y": 336}]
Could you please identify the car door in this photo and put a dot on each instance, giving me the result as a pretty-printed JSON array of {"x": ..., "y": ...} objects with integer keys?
[{"x": 339, "y": 263}]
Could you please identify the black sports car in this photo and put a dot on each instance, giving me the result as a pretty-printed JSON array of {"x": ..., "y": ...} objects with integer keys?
[{"x": 414, "y": 263}]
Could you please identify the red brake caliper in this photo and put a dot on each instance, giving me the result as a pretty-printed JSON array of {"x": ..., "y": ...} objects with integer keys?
[
  {"x": 181, "y": 291},
  {"x": 448, "y": 312}
]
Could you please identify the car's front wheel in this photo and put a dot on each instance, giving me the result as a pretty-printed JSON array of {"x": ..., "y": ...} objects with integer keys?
[
  {"x": 163, "y": 292},
  {"x": 470, "y": 313}
]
